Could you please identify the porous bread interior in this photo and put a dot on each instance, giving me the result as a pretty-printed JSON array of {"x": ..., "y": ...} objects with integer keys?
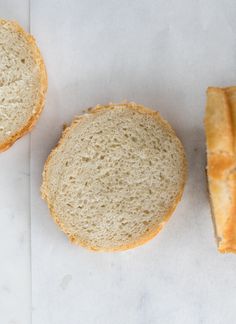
[
  {"x": 19, "y": 80},
  {"x": 114, "y": 177}
]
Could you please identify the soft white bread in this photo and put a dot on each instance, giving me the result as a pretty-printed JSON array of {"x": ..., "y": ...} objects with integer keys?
[
  {"x": 115, "y": 177},
  {"x": 220, "y": 126},
  {"x": 23, "y": 83}
]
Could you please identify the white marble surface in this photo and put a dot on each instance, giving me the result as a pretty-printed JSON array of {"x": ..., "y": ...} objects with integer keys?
[{"x": 162, "y": 54}]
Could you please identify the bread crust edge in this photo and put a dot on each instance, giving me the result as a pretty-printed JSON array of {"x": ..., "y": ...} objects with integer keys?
[{"x": 225, "y": 243}]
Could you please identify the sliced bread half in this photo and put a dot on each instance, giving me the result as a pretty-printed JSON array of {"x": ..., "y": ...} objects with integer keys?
[
  {"x": 23, "y": 83},
  {"x": 115, "y": 177},
  {"x": 220, "y": 127}
]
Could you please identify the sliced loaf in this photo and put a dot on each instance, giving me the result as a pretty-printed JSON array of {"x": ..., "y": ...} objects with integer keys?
[{"x": 220, "y": 126}]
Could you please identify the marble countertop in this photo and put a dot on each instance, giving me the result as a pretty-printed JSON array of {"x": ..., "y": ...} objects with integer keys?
[{"x": 162, "y": 54}]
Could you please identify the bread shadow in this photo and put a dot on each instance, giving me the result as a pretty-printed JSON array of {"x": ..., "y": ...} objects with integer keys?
[{"x": 196, "y": 188}]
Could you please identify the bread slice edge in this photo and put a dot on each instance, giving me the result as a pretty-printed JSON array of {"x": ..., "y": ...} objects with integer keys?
[{"x": 43, "y": 88}]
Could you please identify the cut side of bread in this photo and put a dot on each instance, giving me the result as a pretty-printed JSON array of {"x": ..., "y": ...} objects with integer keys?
[
  {"x": 220, "y": 127},
  {"x": 23, "y": 83},
  {"x": 115, "y": 177}
]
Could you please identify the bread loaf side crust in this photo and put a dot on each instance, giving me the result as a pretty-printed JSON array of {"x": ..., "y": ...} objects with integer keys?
[
  {"x": 221, "y": 163},
  {"x": 43, "y": 87},
  {"x": 155, "y": 230}
]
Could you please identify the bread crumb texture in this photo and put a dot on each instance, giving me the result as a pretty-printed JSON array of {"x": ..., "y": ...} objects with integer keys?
[
  {"x": 220, "y": 126},
  {"x": 115, "y": 177},
  {"x": 23, "y": 83}
]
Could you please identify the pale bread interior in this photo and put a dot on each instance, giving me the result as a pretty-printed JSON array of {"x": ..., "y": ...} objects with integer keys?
[
  {"x": 19, "y": 80},
  {"x": 114, "y": 177}
]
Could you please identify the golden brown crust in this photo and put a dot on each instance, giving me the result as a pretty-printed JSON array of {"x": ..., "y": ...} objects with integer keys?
[
  {"x": 43, "y": 87},
  {"x": 218, "y": 122},
  {"x": 220, "y": 127},
  {"x": 229, "y": 242},
  {"x": 151, "y": 233}
]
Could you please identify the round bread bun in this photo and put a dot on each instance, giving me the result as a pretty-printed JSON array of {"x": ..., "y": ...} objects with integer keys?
[
  {"x": 23, "y": 83},
  {"x": 115, "y": 177}
]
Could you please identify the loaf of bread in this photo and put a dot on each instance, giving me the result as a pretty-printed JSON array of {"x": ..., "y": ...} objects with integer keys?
[
  {"x": 115, "y": 177},
  {"x": 220, "y": 126},
  {"x": 23, "y": 83}
]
